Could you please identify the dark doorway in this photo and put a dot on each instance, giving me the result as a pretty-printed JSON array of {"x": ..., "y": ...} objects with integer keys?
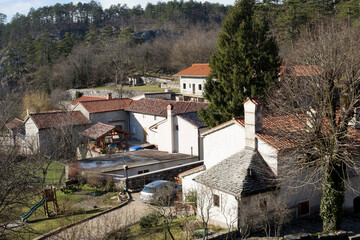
[{"x": 357, "y": 205}]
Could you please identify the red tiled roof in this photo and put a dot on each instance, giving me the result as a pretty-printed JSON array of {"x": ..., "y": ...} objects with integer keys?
[
  {"x": 255, "y": 100},
  {"x": 275, "y": 130},
  {"x": 15, "y": 124},
  {"x": 301, "y": 70},
  {"x": 106, "y": 105},
  {"x": 86, "y": 98},
  {"x": 159, "y": 107},
  {"x": 57, "y": 119},
  {"x": 193, "y": 170},
  {"x": 196, "y": 70}
]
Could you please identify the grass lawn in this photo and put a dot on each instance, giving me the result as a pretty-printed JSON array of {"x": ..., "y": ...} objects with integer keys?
[
  {"x": 135, "y": 232},
  {"x": 54, "y": 173},
  {"x": 144, "y": 88},
  {"x": 74, "y": 205}
]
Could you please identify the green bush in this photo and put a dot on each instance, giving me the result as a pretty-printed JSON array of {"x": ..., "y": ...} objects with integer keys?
[
  {"x": 78, "y": 94},
  {"x": 149, "y": 220}
]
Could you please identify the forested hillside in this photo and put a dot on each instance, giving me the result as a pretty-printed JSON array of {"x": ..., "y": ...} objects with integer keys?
[{"x": 66, "y": 45}]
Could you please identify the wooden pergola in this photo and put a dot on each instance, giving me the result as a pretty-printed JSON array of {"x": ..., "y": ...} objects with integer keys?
[{"x": 100, "y": 135}]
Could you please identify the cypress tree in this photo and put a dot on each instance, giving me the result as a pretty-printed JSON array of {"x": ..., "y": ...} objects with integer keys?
[{"x": 245, "y": 64}]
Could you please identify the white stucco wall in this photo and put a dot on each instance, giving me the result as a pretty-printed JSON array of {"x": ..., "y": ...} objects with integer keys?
[
  {"x": 32, "y": 134},
  {"x": 188, "y": 183},
  {"x": 224, "y": 214},
  {"x": 297, "y": 187},
  {"x": 80, "y": 108},
  {"x": 138, "y": 121},
  {"x": 191, "y": 81},
  {"x": 269, "y": 154},
  {"x": 222, "y": 144}
]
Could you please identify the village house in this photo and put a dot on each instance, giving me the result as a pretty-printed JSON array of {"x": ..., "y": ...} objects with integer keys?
[
  {"x": 171, "y": 126},
  {"x": 16, "y": 130},
  {"x": 38, "y": 126},
  {"x": 245, "y": 171},
  {"x": 192, "y": 81},
  {"x": 108, "y": 111}
]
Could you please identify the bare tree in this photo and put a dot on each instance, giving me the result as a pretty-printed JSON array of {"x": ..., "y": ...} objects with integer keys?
[
  {"x": 205, "y": 202},
  {"x": 319, "y": 93},
  {"x": 164, "y": 209}
]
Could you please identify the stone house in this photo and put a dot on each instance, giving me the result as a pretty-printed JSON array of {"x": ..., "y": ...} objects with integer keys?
[
  {"x": 16, "y": 130},
  {"x": 245, "y": 171},
  {"x": 39, "y": 126}
]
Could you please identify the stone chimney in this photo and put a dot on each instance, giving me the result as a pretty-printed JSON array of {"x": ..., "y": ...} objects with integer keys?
[
  {"x": 253, "y": 121},
  {"x": 171, "y": 129},
  {"x": 109, "y": 95}
]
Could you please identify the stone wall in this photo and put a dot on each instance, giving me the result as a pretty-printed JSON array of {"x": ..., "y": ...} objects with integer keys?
[{"x": 103, "y": 92}]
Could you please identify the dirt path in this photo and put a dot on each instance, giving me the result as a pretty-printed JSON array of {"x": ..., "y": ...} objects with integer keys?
[{"x": 100, "y": 227}]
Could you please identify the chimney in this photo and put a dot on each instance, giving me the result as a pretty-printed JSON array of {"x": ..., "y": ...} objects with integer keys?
[
  {"x": 109, "y": 95},
  {"x": 171, "y": 129},
  {"x": 253, "y": 121}
]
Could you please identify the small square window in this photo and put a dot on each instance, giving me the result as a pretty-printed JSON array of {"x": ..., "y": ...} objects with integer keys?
[
  {"x": 184, "y": 86},
  {"x": 263, "y": 204},
  {"x": 216, "y": 200},
  {"x": 200, "y": 87},
  {"x": 143, "y": 171},
  {"x": 303, "y": 208},
  {"x": 189, "y": 85}
]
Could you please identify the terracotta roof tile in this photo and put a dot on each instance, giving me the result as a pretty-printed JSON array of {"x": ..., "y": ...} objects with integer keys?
[
  {"x": 57, "y": 119},
  {"x": 255, "y": 100},
  {"x": 100, "y": 129},
  {"x": 158, "y": 107},
  {"x": 301, "y": 70},
  {"x": 191, "y": 171},
  {"x": 86, "y": 98},
  {"x": 195, "y": 70},
  {"x": 106, "y": 105},
  {"x": 15, "y": 124}
]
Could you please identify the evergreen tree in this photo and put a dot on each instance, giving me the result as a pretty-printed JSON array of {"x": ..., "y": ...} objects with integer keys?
[
  {"x": 65, "y": 45},
  {"x": 92, "y": 35},
  {"x": 107, "y": 32},
  {"x": 245, "y": 65}
]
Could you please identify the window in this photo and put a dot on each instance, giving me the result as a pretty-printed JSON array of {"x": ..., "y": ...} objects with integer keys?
[
  {"x": 184, "y": 86},
  {"x": 263, "y": 204},
  {"x": 177, "y": 127},
  {"x": 357, "y": 205},
  {"x": 303, "y": 208},
  {"x": 199, "y": 87},
  {"x": 143, "y": 171},
  {"x": 154, "y": 117},
  {"x": 216, "y": 200},
  {"x": 189, "y": 85}
]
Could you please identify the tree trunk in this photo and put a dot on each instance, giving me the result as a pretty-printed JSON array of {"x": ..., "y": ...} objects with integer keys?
[{"x": 333, "y": 195}]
